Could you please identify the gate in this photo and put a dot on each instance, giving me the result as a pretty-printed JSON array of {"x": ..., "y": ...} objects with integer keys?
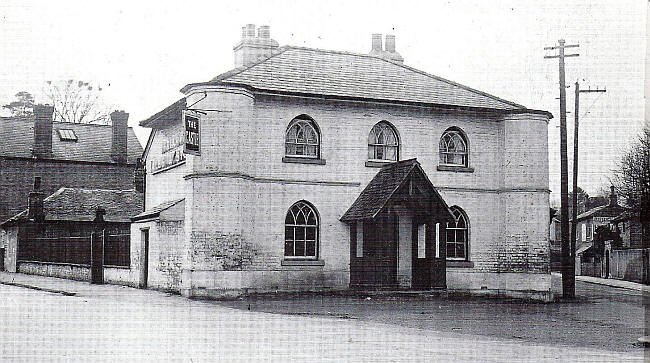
[{"x": 97, "y": 257}]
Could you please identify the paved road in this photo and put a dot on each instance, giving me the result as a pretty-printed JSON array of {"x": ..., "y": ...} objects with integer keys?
[
  {"x": 602, "y": 317},
  {"x": 108, "y": 323}
]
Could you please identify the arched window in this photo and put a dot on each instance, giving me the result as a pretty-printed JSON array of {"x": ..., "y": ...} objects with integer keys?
[
  {"x": 302, "y": 138},
  {"x": 458, "y": 235},
  {"x": 453, "y": 148},
  {"x": 301, "y": 232},
  {"x": 383, "y": 143}
]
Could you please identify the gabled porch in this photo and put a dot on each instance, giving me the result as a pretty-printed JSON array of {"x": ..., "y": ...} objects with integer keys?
[{"x": 396, "y": 228}]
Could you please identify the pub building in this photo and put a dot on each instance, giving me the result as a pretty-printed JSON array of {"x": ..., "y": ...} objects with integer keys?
[{"x": 309, "y": 169}]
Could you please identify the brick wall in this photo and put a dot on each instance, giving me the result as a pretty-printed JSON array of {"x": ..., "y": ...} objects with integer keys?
[{"x": 17, "y": 179}]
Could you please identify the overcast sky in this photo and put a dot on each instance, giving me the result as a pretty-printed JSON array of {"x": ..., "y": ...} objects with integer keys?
[{"x": 144, "y": 52}]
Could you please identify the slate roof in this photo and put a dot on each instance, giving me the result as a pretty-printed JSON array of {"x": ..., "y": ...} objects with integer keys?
[
  {"x": 93, "y": 144},
  {"x": 168, "y": 115},
  {"x": 608, "y": 210},
  {"x": 155, "y": 211},
  {"x": 381, "y": 188},
  {"x": 308, "y": 71},
  {"x": 78, "y": 204}
]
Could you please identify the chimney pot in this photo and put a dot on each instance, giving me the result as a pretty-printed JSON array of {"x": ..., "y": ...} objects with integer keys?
[
  {"x": 119, "y": 128},
  {"x": 250, "y": 30},
  {"x": 390, "y": 43},
  {"x": 42, "y": 131},
  {"x": 376, "y": 43},
  {"x": 264, "y": 32}
]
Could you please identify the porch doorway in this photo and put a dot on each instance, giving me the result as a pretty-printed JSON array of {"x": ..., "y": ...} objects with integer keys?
[{"x": 395, "y": 229}]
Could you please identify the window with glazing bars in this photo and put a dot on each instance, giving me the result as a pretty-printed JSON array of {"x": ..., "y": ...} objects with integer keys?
[
  {"x": 301, "y": 232},
  {"x": 383, "y": 143}
]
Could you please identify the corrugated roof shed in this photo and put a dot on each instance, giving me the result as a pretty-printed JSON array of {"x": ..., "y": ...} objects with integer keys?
[{"x": 93, "y": 142}]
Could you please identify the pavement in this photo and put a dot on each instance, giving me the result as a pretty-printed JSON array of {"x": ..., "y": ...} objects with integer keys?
[
  {"x": 72, "y": 287},
  {"x": 66, "y": 320}
]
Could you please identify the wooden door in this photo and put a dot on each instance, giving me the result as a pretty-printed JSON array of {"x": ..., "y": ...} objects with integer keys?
[
  {"x": 439, "y": 256},
  {"x": 144, "y": 273},
  {"x": 97, "y": 257},
  {"x": 421, "y": 255}
]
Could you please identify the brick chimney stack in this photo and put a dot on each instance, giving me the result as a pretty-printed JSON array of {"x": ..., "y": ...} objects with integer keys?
[
  {"x": 386, "y": 52},
  {"x": 613, "y": 199},
  {"x": 42, "y": 147},
  {"x": 252, "y": 48},
  {"x": 119, "y": 120},
  {"x": 35, "y": 202}
]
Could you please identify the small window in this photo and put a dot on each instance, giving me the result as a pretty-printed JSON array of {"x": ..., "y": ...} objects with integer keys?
[
  {"x": 457, "y": 236},
  {"x": 301, "y": 232},
  {"x": 302, "y": 138},
  {"x": 453, "y": 148},
  {"x": 67, "y": 135},
  {"x": 383, "y": 143}
]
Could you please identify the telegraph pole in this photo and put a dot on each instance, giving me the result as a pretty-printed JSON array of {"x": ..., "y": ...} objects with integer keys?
[
  {"x": 574, "y": 220},
  {"x": 568, "y": 262}
]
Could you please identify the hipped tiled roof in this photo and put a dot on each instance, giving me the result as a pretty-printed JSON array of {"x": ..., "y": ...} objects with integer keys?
[
  {"x": 381, "y": 188},
  {"x": 77, "y": 204},
  {"x": 298, "y": 70},
  {"x": 93, "y": 141}
]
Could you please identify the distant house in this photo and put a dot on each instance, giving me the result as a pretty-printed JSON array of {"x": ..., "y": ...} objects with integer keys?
[
  {"x": 62, "y": 155},
  {"x": 586, "y": 225},
  {"x": 628, "y": 224},
  {"x": 74, "y": 233}
]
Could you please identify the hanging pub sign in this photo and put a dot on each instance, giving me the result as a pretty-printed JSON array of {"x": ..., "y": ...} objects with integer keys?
[{"x": 192, "y": 138}]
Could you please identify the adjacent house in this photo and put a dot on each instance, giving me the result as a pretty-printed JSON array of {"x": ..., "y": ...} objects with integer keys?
[
  {"x": 310, "y": 169},
  {"x": 586, "y": 224},
  {"x": 62, "y": 155},
  {"x": 75, "y": 233}
]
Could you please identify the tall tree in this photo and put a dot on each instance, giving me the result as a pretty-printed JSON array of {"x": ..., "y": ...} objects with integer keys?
[
  {"x": 77, "y": 101},
  {"x": 632, "y": 178},
  {"x": 22, "y": 106}
]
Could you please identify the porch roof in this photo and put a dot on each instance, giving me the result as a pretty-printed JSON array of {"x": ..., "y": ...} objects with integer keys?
[{"x": 381, "y": 189}]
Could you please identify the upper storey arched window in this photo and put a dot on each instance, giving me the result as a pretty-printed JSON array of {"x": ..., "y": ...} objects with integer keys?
[
  {"x": 454, "y": 150},
  {"x": 302, "y": 138},
  {"x": 383, "y": 143}
]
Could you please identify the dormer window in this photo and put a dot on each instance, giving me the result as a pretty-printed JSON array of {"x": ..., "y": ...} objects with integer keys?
[{"x": 67, "y": 135}]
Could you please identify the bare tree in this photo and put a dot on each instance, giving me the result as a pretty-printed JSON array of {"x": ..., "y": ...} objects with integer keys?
[
  {"x": 76, "y": 101},
  {"x": 22, "y": 106},
  {"x": 632, "y": 179}
]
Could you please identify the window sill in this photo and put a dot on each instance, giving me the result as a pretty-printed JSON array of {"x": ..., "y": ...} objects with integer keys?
[
  {"x": 303, "y": 263},
  {"x": 457, "y": 169},
  {"x": 298, "y": 160},
  {"x": 462, "y": 264},
  {"x": 377, "y": 163}
]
